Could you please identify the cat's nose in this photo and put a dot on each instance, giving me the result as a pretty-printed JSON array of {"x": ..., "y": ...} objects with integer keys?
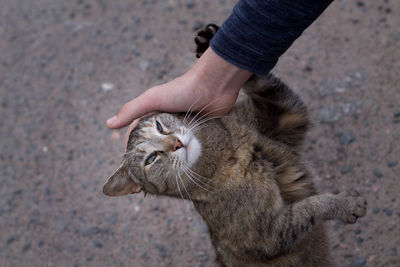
[{"x": 176, "y": 144}]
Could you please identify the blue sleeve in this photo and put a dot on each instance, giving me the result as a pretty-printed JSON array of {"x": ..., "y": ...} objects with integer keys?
[{"x": 258, "y": 32}]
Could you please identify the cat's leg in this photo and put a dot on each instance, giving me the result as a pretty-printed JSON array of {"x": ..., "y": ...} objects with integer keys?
[
  {"x": 279, "y": 112},
  {"x": 203, "y": 38},
  {"x": 295, "y": 220}
]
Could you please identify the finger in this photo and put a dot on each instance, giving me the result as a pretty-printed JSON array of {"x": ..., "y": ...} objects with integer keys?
[
  {"x": 134, "y": 109},
  {"x": 128, "y": 132}
]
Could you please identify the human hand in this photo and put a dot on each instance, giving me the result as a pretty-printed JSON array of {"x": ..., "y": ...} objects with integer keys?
[{"x": 211, "y": 85}]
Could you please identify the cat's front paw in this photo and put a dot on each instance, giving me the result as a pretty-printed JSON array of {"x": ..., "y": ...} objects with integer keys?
[
  {"x": 203, "y": 38},
  {"x": 352, "y": 206}
]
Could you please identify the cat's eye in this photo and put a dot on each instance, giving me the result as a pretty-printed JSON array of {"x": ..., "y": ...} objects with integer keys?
[
  {"x": 160, "y": 128},
  {"x": 150, "y": 159}
]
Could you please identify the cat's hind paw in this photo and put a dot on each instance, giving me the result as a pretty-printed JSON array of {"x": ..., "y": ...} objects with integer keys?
[
  {"x": 353, "y": 207},
  {"x": 203, "y": 38}
]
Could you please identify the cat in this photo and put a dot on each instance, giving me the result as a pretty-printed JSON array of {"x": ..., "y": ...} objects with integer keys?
[{"x": 244, "y": 173}]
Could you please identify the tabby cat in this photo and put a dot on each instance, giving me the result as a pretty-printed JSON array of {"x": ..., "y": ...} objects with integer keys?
[{"x": 244, "y": 173}]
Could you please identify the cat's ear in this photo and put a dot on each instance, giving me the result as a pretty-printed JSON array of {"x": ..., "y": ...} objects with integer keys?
[{"x": 120, "y": 183}]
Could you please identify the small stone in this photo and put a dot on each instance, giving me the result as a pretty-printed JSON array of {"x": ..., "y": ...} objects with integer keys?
[
  {"x": 182, "y": 22},
  {"x": 107, "y": 86},
  {"x": 190, "y": 3},
  {"x": 357, "y": 231},
  {"x": 393, "y": 163},
  {"x": 347, "y": 139},
  {"x": 26, "y": 247},
  {"x": 360, "y": 4},
  {"x": 396, "y": 114},
  {"x": 388, "y": 212},
  {"x": 378, "y": 173},
  {"x": 143, "y": 65},
  {"x": 97, "y": 244},
  {"x": 94, "y": 230},
  {"x": 144, "y": 256},
  {"x": 10, "y": 240},
  {"x": 329, "y": 114},
  {"x": 162, "y": 250},
  {"x": 113, "y": 219},
  {"x": 308, "y": 68},
  {"x": 148, "y": 37},
  {"x": 346, "y": 169},
  {"x": 358, "y": 262},
  {"x": 198, "y": 25},
  {"x": 376, "y": 210}
]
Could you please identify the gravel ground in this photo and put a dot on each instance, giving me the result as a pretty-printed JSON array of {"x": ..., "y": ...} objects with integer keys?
[{"x": 66, "y": 66}]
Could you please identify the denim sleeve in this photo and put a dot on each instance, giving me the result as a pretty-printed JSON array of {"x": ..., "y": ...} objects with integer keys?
[{"x": 258, "y": 32}]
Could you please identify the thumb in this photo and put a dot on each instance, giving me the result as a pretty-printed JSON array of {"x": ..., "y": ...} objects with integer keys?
[{"x": 134, "y": 109}]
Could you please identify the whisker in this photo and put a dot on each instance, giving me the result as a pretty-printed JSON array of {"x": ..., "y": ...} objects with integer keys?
[
  {"x": 205, "y": 120},
  {"x": 190, "y": 110},
  {"x": 218, "y": 98},
  {"x": 177, "y": 184},
  {"x": 184, "y": 187},
  {"x": 190, "y": 178},
  {"x": 204, "y": 115},
  {"x": 198, "y": 178}
]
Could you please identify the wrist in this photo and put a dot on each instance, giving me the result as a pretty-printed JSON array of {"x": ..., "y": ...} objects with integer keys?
[{"x": 214, "y": 73}]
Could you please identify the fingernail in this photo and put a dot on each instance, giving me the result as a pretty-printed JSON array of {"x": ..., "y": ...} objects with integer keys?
[{"x": 111, "y": 121}]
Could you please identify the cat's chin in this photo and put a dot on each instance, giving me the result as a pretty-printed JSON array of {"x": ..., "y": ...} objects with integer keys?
[{"x": 193, "y": 150}]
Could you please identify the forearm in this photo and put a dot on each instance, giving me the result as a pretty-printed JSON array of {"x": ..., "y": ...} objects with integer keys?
[
  {"x": 258, "y": 32},
  {"x": 217, "y": 75}
]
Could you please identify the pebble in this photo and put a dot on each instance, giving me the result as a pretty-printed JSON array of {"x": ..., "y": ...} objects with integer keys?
[
  {"x": 360, "y": 4},
  {"x": 197, "y": 25},
  {"x": 113, "y": 219},
  {"x": 329, "y": 114},
  {"x": 26, "y": 247},
  {"x": 94, "y": 230},
  {"x": 10, "y": 240},
  {"x": 376, "y": 210},
  {"x": 378, "y": 173},
  {"x": 392, "y": 163},
  {"x": 107, "y": 86},
  {"x": 388, "y": 212},
  {"x": 190, "y": 3},
  {"x": 162, "y": 250},
  {"x": 143, "y": 65},
  {"x": 97, "y": 244},
  {"x": 346, "y": 139},
  {"x": 358, "y": 262},
  {"x": 346, "y": 169}
]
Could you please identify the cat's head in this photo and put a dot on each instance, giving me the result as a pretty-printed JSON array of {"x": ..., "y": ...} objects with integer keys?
[{"x": 161, "y": 154}]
